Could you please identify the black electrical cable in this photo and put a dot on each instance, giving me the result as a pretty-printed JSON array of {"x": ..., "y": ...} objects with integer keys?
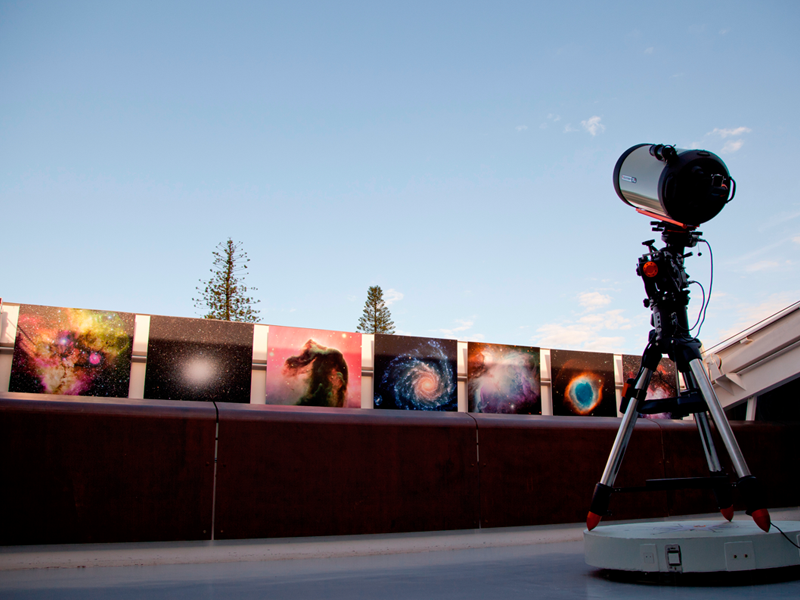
[
  {"x": 706, "y": 300},
  {"x": 784, "y": 535},
  {"x": 700, "y": 314}
]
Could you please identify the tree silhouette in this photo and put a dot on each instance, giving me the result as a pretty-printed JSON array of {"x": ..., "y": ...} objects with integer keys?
[
  {"x": 225, "y": 295},
  {"x": 376, "y": 317}
]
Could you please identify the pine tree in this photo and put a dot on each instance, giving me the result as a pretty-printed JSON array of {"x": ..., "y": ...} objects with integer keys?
[
  {"x": 225, "y": 295},
  {"x": 376, "y": 317}
]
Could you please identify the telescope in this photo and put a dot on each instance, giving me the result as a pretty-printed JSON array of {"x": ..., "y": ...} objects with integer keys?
[{"x": 683, "y": 187}]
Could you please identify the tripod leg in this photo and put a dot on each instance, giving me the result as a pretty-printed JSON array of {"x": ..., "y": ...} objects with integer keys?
[
  {"x": 747, "y": 483},
  {"x": 722, "y": 492},
  {"x": 602, "y": 491}
]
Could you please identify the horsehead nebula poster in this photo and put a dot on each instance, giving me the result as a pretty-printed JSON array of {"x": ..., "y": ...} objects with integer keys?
[
  {"x": 503, "y": 379},
  {"x": 313, "y": 367},
  {"x": 413, "y": 373},
  {"x": 199, "y": 359},
  {"x": 72, "y": 351},
  {"x": 583, "y": 383}
]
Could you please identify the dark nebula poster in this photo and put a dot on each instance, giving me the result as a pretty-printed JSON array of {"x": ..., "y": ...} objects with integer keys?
[
  {"x": 414, "y": 373},
  {"x": 313, "y": 367},
  {"x": 503, "y": 379},
  {"x": 72, "y": 351},
  {"x": 662, "y": 383},
  {"x": 198, "y": 359},
  {"x": 583, "y": 383}
]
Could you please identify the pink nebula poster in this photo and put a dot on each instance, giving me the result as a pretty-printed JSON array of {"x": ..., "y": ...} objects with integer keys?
[
  {"x": 313, "y": 367},
  {"x": 72, "y": 351}
]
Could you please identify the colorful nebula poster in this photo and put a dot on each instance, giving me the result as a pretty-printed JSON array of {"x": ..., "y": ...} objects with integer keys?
[
  {"x": 198, "y": 359},
  {"x": 663, "y": 383},
  {"x": 313, "y": 367},
  {"x": 503, "y": 379},
  {"x": 583, "y": 383},
  {"x": 72, "y": 351},
  {"x": 413, "y": 373}
]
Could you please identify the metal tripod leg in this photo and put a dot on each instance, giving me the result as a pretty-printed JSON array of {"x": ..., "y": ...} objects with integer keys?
[
  {"x": 602, "y": 491},
  {"x": 722, "y": 492},
  {"x": 747, "y": 483}
]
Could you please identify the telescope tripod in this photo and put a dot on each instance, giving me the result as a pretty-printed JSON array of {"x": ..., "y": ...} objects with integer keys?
[{"x": 666, "y": 284}]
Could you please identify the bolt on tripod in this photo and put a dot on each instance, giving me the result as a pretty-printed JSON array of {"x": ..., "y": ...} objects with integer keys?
[{"x": 666, "y": 283}]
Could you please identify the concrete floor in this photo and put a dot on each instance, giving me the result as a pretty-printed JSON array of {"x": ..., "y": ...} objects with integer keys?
[{"x": 535, "y": 562}]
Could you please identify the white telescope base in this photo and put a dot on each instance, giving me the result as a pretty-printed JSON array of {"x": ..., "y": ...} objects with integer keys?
[{"x": 692, "y": 546}]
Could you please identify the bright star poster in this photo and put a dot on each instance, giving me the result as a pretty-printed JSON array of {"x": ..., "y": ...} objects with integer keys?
[{"x": 199, "y": 359}]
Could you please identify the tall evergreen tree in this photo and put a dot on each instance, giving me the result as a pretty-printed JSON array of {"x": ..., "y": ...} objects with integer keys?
[
  {"x": 225, "y": 295},
  {"x": 376, "y": 317}
]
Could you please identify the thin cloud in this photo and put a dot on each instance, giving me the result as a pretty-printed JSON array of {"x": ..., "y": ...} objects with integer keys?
[
  {"x": 750, "y": 314},
  {"x": 589, "y": 332},
  {"x": 463, "y": 325},
  {"x": 593, "y": 300},
  {"x": 732, "y": 146},
  {"x": 725, "y": 133},
  {"x": 568, "y": 128},
  {"x": 649, "y": 50},
  {"x": 391, "y": 296},
  {"x": 762, "y": 265},
  {"x": 593, "y": 125},
  {"x": 521, "y": 127}
]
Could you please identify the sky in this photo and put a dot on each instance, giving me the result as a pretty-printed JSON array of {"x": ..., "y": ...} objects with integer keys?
[{"x": 457, "y": 154}]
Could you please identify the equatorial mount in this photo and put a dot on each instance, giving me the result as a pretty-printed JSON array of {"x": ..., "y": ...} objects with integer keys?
[{"x": 666, "y": 284}]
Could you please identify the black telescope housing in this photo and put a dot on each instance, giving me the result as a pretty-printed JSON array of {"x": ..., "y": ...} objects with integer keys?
[{"x": 687, "y": 187}]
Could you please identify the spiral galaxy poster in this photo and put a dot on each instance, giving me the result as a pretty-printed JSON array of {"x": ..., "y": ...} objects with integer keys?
[
  {"x": 503, "y": 379},
  {"x": 662, "y": 383},
  {"x": 313, "y": 367},
  {"x": 72, "y": 351},
  {"x": 198, "y": 359},
  {"x": 583, "y": 383},
  {"x": 414, "y": 373}
]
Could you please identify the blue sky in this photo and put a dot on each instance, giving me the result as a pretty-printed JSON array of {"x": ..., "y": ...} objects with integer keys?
[{"x": 457, "y": 154}]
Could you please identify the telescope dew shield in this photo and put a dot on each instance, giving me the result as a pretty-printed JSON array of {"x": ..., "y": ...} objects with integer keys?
[{"x": 687, "y": 186}]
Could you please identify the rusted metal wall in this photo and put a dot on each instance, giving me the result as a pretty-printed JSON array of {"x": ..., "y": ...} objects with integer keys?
[
  {"x": 78, "y": 470},
  {"x": 90, "y": 470}
]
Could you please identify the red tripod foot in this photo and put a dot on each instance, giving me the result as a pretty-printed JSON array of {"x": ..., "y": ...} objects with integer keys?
[
  {"x": 592, "y": 520},
  {"x": 727, "y": 513},
  {"x": 761, "y": 517}
]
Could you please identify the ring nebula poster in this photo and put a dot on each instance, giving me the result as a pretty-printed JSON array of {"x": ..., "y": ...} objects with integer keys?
[
  {"x": 72, "y": 351},
  {"x": 313, "y": 367},
  {"x": 503, "y": 379},
  {"x": 583, "y": 383},
  {"x": 414, "y": 373},
  {"x": 198, "y": 359}
]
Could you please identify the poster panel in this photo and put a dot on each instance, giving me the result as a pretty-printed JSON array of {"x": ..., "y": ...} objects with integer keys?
[
  {"x": 583, "y": 383},
  {"x": 503, "y": 379},
  {"x": 663, "y": 383},
  {"x": 414, "y": 373},
  {"x": 313, "y": 367},
  {"x": 72, "y": 351},
  {"x": 198, "y": 359}
]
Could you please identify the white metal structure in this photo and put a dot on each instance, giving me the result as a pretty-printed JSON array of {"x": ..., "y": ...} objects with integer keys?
[{"x": 756, "y": 360}]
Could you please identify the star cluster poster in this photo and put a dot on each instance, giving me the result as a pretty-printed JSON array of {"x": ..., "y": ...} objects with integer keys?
[
  {"x": 583, "y": 383},
  {"x": 313, "y": 367},
  {"x": 72, "y": 351},
  {"x": 199, "y": 359},
  {"x": 413, "y": 373},
  {"x": 663, "y": 383},
  {"x": 503, "y": 379}
]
